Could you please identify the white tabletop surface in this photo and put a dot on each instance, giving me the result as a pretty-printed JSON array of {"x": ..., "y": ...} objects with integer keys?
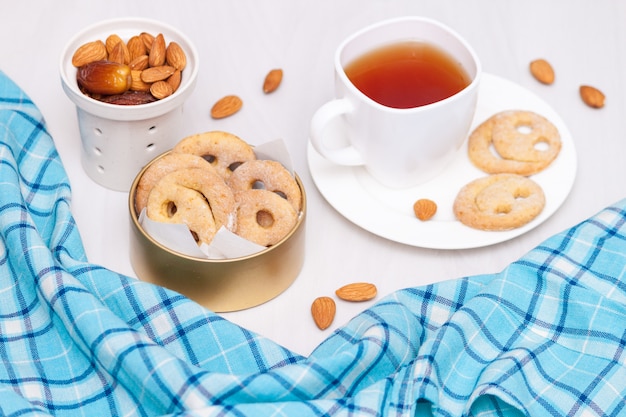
[{"x": 239, "y": 41}]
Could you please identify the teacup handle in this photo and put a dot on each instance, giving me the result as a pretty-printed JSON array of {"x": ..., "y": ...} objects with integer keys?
[{"x": 330, "y": 111}]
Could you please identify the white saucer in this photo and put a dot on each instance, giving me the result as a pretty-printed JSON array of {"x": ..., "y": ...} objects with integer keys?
[{"x": 389, "y": 212}]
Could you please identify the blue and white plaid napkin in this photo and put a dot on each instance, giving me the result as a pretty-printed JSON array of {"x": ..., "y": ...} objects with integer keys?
[{"x": 545, "y": 337}]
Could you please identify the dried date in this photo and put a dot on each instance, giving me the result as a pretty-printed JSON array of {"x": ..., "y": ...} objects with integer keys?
[{"x": 128, "y": 98}]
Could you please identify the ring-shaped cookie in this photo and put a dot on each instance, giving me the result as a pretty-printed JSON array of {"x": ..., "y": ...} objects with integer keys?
[
  {"x": 223, "y": 150},
  {"x": 182, "y": 205},
  {"x": 161, "y": 167},
  {"x": 196, "y": 197},
  {"x": 269, "y": 175},
  {"x": 263, "y": 217},
  {"x": 499, "y": 202},
  {"x": 525, "y": 136},
  {"x": 479, "y": 148}
]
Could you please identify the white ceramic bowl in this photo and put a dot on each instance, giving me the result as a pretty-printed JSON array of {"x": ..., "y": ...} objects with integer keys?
[{"x": 118, "y": 141}]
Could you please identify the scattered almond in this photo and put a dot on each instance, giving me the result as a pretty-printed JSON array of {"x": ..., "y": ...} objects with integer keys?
[
  {"x": 591, "y": 96},
  {"x": 323, "y": 311},
  {"x": 226, "y": 106},
  {"x": 272, "y": 80},
  {"x": 89, "y": 52},
  {"x": 358, "y": 291},
  {"x": 542, "y": 71},
  {"x": 424, "y": 209}
]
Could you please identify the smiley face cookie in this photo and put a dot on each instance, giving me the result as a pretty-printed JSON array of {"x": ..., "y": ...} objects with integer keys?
[
  {"x": 499, "y": 202},
  {"x": 517, "y": 142}
]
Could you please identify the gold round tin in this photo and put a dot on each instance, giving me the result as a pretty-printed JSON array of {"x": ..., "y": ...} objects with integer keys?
[{"x": 220, "y": 285}]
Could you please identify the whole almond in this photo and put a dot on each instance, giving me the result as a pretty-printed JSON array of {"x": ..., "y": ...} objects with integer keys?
[
  {"x": 137, "y": 84},
  {"x": 140, "y": 63},
  {"x": 542, "y": 71},
  {"x": 272, "y": 80},
  {"x": 226, "y": 106},
  {"x": 147, "y": 39},
  {"x": 154, "y": 74},
  {"x": 591, "y": 96},
  {"x": 89, "y": 52},
  {"x": 357, "y": 291},
  {"x": 174, "y": 80},
  {"x": 117, "y": 54},
  {"x": 175, "y": 56},
  {"x": 156, "y": 57},
  {"x": 136, "y": 47},
  {"x": 161, "y": 89},
  {"x": 323, "y": 311},
  {"x": 111, "y": 41},
  {"x": 424, "y": 209}
]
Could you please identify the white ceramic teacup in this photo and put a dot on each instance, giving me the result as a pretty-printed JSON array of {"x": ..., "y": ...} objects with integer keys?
[{"x": 400, "y": 147}]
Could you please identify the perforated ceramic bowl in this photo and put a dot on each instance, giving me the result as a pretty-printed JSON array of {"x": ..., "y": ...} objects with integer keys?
[{"x": 118, "y": 141}]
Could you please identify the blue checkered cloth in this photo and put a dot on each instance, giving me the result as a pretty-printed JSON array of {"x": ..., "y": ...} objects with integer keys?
[{"x": 545, "y": 337}]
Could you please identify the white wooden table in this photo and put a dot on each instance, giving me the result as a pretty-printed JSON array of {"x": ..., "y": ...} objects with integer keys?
[{"x": 239, "y": 42}]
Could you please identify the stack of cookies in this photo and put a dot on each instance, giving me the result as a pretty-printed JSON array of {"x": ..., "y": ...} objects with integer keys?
[{"x": 214, "y": 180}]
